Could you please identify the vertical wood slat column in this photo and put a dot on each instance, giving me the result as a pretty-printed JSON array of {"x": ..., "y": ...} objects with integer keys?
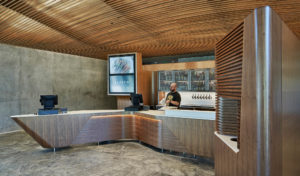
[
  {"x": 229, "y": 56},
  {"x": 269, "y": 128}
]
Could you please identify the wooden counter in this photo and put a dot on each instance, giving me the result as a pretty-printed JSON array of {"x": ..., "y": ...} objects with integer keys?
[{"x": 188, "y": 135}]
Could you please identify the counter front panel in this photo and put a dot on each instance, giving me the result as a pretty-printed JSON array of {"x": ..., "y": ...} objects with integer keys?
[{"x": 181, "y": 134}]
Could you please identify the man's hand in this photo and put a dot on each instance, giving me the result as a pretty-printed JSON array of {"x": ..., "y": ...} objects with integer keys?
[
  {"x": 176, "y": 103},
  {"x": 168, "y": 102}
]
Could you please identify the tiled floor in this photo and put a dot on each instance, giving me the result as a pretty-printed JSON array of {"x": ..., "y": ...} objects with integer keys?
[{"x": 21, "y": 155}]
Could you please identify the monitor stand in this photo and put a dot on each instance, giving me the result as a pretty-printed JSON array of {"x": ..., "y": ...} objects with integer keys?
[
  {"x": 52, "y": 111},
  {"x": 48, "y": 111},
  {"x": 133, "y": 108}
]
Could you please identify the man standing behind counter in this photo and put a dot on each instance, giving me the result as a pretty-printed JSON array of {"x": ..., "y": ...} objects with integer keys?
[{"x": 173, "y": 97}]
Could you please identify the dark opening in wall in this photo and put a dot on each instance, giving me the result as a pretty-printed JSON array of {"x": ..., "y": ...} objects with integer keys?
[{"x": 194, "y": 57}]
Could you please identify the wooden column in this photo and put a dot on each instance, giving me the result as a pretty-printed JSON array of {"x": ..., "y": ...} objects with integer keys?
[
  {"x": 290, "y": 102},
  {"x": 269, "y": 127}
]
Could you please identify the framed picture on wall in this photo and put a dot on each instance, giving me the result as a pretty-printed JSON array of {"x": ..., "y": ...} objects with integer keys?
[{"x": 121, "y": 74}]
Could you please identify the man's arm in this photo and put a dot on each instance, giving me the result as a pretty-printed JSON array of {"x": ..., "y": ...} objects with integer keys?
[
  {"x": 167, "y": 101},
  {"x": 176, "y": 103},
  {"x": 176, "y": 100}
]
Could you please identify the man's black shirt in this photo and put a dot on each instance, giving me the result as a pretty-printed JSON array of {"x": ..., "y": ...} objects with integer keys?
[{"x": 173, "y": 96}]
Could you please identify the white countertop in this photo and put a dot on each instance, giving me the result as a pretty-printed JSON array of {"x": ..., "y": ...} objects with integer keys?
[
  {"x": 206, "y": 115},
  {"x": 192, "y": 114},
  {"x": 73, "y": 112},
  {"x": 227, "y": 140}
]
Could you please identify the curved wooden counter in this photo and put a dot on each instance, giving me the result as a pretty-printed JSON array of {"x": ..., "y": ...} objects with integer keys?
[{"x": 193, "y": 136}]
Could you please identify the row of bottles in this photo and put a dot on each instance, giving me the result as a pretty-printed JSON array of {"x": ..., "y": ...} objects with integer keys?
[
  {"x": 198, "y": 75},
  {"x": 165, "y": 85},
  {"x": 198, "y": 86},
  {"x": 181, "y": 76},
  {"x": 166, "y": 76},
  {"x": 182, "y": 85},
  {"x": 188, "y": 80}
]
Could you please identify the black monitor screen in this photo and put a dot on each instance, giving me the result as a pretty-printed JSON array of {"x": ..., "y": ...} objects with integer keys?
[
  {"x": 48, "y": 101},
  {"x": 136, "y": 99}
]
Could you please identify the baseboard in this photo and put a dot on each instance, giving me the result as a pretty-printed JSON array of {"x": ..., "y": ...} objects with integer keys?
[{"x": 11, "y": 132}]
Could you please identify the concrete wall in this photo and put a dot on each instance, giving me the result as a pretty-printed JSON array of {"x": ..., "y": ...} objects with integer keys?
[{"x": 25, "y": 74}]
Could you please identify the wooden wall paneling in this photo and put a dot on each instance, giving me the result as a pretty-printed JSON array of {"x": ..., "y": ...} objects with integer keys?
[
  {"x": 146, "y": 86},
  {"x": 172, "y": 129},
  {"x": 275, "y": 93},
  {"x": 39, "y": 139},
  {"x": 290, "y": 102},
  {"x": 226, "y": 160},
  {"x": 161, "y": 95},
  {"x": 180, "y": 66},
  {"x": 192, "y": 136},
  {"x": 261, "y": 106},
  {"x": 100, "y": 128},
  {"x": 108, "y": 127},
  {"x": 149, "y": 130},
  {"x": 123, "y": 101},
  {"x": 52, "y": 131},
  {"x": 269, "y": 126},
  {"x": 261, "y": 102},
  {"x": 154, "y": 91},
  {"x": 248, "y": 124},
  {"x": 188, "y": 135},
  {"x": 139, "y": 72},
  {"x": 229, "y": 56}
]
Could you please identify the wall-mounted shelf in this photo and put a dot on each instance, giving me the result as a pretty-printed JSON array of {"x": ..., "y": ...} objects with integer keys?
[{"x": 188, "y": 80}]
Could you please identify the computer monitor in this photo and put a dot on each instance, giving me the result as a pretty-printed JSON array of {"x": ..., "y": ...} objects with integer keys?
[
  {"x": 48, "y": 101},
  {"x": 136, "y": 99}
]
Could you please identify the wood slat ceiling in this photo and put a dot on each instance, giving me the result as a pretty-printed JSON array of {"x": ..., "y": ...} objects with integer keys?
[{"x": 95, "y": 28}]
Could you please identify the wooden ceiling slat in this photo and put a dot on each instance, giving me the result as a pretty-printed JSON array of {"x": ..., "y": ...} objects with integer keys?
[{"x": 96, "y": 28}]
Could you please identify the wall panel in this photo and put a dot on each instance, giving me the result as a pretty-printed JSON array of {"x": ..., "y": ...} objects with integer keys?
[{"x": 79, "y": 82}]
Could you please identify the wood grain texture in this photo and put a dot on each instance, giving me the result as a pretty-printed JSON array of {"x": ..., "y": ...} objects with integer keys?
[
  {"x": 55, "y": 130},
  {"x": 123, "y": 101},
  {"x": 33, "y": 134},
  {"x": 290, "y": 102},
  {"x": 269, "y": 130},
  {"x": 229, "y": 59},
  {"x": 274, "y": 133},
  {"x": 226, "y": 160},
  {"x": 192, "y": 136},
  {"x": 104, "y": 128},
  {"x": 97, "y": 28},
  {"x": 262, "y": 87},
  {"x": 180, "y": 66},
  {"x": 154, "y": 91},
  {"x": 149, "y": 130},
  {"x": 248, "y": 124}
]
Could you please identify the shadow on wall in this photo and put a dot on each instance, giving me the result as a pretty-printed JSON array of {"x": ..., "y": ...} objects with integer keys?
[{"x": 79, "y": 82}]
